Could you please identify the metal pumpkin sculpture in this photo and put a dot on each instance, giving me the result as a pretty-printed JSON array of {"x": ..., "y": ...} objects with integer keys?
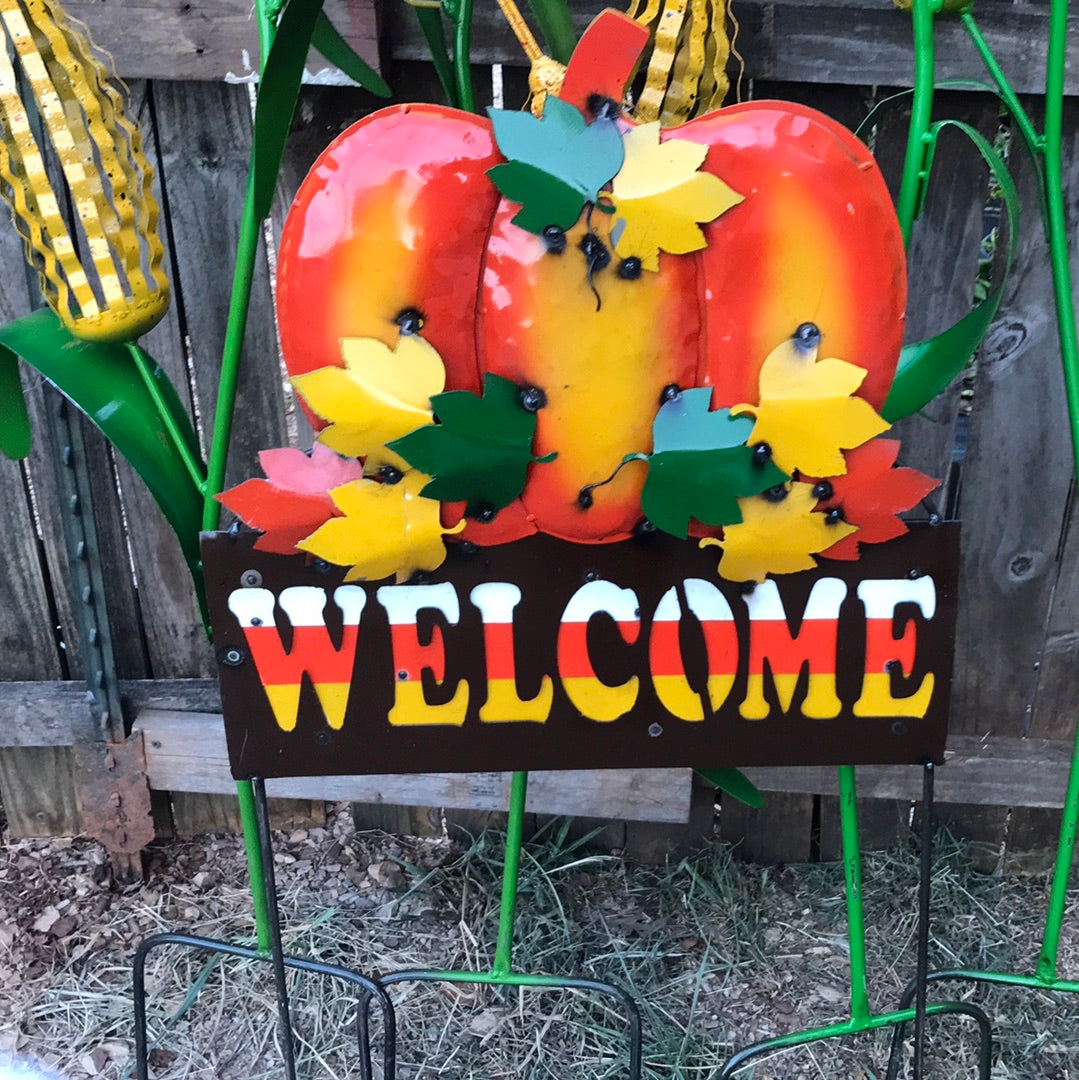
[{"x": 583, "y": 326}]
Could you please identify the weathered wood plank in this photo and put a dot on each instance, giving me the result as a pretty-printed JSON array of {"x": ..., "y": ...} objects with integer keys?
[
  {"x": 805, "y": 41},
  {"x": 781, "y": 831},
  {"x": 942, "y": 262},
  {"x": 204, "y": 133},
  {"x": 199, "y": 40},
  {"x": 186, "y": 751},
  {"x": 172, "y": 635},
  {"x": 38, "y": 785},
  {"x": 990, "y": 772},
  {"x": 882, "y": 823},
  {"x": 43, "y": 713},
  {"x": 1015, "y": 487},
  {"x": 1055, "y": 710}
]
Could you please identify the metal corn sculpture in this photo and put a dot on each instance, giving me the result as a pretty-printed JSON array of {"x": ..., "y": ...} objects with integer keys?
[
  {"x": 116, "y": 290},
  {"x": 687, "y": 68}
]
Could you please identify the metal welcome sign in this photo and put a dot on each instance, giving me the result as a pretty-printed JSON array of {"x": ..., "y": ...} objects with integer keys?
[{"x": 548, "y": 655}]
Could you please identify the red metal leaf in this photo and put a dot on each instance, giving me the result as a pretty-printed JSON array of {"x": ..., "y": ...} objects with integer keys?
[{"x": 872, "y": 494}]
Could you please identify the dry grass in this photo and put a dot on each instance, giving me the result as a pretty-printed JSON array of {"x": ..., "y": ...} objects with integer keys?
[{"x": 718, "y": 954}]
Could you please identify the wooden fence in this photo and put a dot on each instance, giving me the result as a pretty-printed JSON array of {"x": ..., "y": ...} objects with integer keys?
[{"x": 1002, "y": 445}]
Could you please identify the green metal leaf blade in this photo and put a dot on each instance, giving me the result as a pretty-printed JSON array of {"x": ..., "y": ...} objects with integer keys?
[
  {"x": 927, "y": 367},
  {"x": 545, "y": 200},
  {"x": 278, "y": 90},
  {"x": 14, "y": 419},
  {"x": 101, "y": 380},
  {"x": 734, "y": 782},
  {"x": 329, "y": 42},
  {"x": 704, "y": 485},
  {"x": 496, "y": 417}
]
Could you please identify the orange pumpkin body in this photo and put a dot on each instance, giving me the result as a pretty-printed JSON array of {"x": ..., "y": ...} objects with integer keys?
[{"x": 398, "y": 214}]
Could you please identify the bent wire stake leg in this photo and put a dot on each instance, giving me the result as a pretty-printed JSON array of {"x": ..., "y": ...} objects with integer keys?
[
  {"x": 1047, "y": 152},
  {"x": 862, "y": 1019},
  {"x": 501, "y": 973},
  {"x": 280, "y": 963}
]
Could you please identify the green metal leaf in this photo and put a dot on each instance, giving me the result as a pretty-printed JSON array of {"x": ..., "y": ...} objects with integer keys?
[
  {"x": 734, "y": 782},
  {"x": 480, "y": 450},
  {"x": 430, "y": 20},
  {"x": 927, "y": 367},
  {"x": 701, "y": 466},
  {"x": 556, "y": 26},
  {"x": 545, "y": 200},
  {"x": 705, "y": 485},
  {"x": 104, "y": 383},
  {"x": 328, "y": 41},
  {"x": 278, "y": 91},
  {"x": 14, "y": 420}
]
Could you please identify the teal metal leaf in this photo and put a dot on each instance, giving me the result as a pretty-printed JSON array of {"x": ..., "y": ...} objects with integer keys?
[
  {"x": 579, "y": 156},
  {"x": 704, "y": 485},
  {"x": 686, "y": 423},
  {"x": 14, "y": 420},
  {"x": 279, "y": 87},
  {"x": 480, "y": 450},
  {"x": 329, "y": 42},
  {"x": 102, "y": 381},
  {"x": 734, "y": 782},
  {"x": 545, "y": 200}
]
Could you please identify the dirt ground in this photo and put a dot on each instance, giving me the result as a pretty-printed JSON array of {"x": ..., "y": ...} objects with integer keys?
[{"x": 718, "y": 953}]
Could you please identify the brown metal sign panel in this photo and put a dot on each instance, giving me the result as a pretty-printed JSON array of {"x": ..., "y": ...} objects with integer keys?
[{"x": 548, "y": 655}]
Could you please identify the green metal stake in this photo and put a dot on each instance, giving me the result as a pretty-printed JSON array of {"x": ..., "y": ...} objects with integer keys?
[
  {"x": 510, "y": 871},
  {"x": 239, "y": 304},
  {"x": 1069, "y": 354},
  {"x": 915, "y": 170},
  {"x": 852, "y": 872}
]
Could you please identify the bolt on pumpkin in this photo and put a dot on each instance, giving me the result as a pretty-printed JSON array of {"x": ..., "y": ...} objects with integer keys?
[{"x": 585, "y": 327}]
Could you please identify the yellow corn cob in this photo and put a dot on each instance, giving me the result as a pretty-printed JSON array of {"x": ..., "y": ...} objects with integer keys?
[
  {"x": 686, "y": 73},
  {"x": 105, "y": 282}
]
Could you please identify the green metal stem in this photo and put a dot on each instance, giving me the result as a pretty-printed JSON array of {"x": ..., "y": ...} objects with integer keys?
[
  {"x": 850, "y": 1027},
  {"x": 510, "y": 872},
  {"x": 191, "y": 463},
  {"x": 852, "y": 872},
  {"x": 1069, "y": 354},
  {"x": 1004, "y": 87},
  {"x": 430, "y": 20},
  {"x": 914, "y": 163},
  {"x": 462, "y": 56},
  {"x": 556, "y": 26},
  {"x": 1007, "y": 978},
  {"x": 239, "y": 303},
  {"x": 248, "y": 818}
]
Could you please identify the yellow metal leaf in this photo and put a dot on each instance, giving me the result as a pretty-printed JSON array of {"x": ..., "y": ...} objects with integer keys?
[
  {"x": 386, "y": 529},
  {"x": 776, "y": 537},
  {"x": 806, "y": 414},
  {"x": 381, "y": 394},
  {"x": 659, "y": 196}
]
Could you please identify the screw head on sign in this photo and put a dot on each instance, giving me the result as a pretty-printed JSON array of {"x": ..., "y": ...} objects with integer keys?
[
  {"x": 233, "y": 657},
  {"x": 250, "y": 579}
]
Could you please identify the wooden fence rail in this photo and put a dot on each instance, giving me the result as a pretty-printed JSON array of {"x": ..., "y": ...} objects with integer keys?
[{"x": 1002, "y": 449}]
